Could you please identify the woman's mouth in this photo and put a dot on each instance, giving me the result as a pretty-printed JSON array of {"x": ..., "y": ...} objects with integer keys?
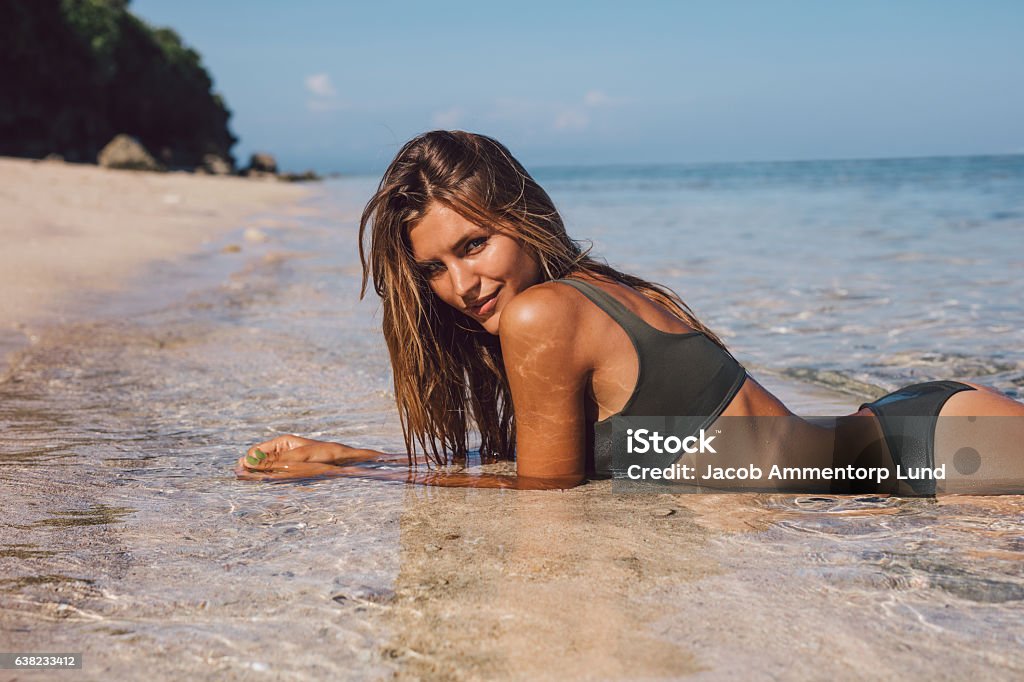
[{"x": 487, "y": 308}]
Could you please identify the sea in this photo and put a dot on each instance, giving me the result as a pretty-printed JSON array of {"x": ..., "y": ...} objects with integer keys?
[
  {"x": 883, "y": 272},
  {"x": 127, "y": 537}
]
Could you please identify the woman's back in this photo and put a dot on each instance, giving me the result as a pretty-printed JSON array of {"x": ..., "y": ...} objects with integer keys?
[
  {"x": 682, "y": 374},
  {"x": 670, "y": 370}
]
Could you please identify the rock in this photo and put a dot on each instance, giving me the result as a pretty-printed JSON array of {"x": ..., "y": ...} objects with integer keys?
[
  {"x": 308, "y": 176},
  {"x": 54, "y": 157},
  {"x": 259, "y": 175},
  {"x": 261, "y": 161},
  {"x": 124, "y": 151},
  {"x": 214, "y": 164}
]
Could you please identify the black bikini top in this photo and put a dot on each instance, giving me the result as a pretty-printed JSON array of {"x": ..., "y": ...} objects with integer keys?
[{"x": 686, "y": 375}]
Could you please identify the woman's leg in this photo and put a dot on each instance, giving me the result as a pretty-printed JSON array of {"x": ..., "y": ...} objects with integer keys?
[{"x": 979, "y": 441}]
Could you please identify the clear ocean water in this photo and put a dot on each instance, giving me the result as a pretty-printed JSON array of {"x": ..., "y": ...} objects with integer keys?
[
  {"x": 127, "y": 536},
  {"x": 880, "y": 271}
]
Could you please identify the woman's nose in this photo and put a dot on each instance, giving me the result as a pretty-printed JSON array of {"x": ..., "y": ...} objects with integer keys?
[{"x": 464, "y": 280}]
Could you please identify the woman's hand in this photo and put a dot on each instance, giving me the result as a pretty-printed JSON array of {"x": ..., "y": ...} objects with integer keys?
[
  {"x": 291, "y": 457},
  {"x": 284, "y": 449}
]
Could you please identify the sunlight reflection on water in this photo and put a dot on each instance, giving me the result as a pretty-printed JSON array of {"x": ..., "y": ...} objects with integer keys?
[{"x": 127, "y": 532}]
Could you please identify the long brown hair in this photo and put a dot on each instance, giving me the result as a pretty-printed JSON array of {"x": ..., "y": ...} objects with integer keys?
[{"x": 449, "y": 376}]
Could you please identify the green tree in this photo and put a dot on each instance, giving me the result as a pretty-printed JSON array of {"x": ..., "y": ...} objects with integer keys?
[{"x": 75, "y": 73}]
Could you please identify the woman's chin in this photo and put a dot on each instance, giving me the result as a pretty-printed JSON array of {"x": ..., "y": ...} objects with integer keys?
[{"x": 490, "y": 325}]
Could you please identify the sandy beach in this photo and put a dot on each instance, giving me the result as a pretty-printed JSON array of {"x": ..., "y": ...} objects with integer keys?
[
  {"x": 128, "y": 538},
  {"x": 74, "y": 228},
  {"x": 836, "y": 191}
]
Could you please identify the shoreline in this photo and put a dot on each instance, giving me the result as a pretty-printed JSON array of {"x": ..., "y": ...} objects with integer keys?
[
  {"x": 130, "y": 540},
  {"x": 74, "y": 231}
]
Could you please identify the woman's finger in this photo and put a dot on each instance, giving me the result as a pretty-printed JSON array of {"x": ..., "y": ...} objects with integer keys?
[
  {"x": 315, "y": 451},
  {"x": 278, "y": 445},
  {"x": 287, "y": 472},
  {"x": 259, "y": 460},
  {"x": 254, "y": 461}
]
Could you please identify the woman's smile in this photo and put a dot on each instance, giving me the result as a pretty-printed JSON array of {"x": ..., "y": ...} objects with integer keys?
[
  {"x": 473, "y": 268},
  {"x": 484, "y": 306}
]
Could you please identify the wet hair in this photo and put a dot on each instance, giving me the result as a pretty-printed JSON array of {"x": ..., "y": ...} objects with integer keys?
[{"x": 449, "y": 376}]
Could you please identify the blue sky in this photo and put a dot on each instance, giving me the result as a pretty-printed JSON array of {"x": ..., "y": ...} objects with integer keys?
[{"x": 341, "y": 85}]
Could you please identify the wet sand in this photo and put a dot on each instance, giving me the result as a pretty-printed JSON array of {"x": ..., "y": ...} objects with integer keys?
[
  {"x": 74, "y": 228},
  {"x": 126, "y": 536}
]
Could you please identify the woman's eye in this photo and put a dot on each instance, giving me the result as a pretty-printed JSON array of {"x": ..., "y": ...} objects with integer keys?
[
  {"x": 431, "y": 270},
  {"x": 475, "y": 244}
]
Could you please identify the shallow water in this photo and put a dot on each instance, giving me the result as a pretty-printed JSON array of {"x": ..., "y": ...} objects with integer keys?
[
  {"x": 127, "y": 536},
  {"x": 883, "y": 272}
]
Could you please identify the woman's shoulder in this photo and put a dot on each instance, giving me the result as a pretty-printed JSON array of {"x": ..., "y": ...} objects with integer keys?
[
  {"x": 548, "y": 308},
  {"x": 544, "y": 336}
]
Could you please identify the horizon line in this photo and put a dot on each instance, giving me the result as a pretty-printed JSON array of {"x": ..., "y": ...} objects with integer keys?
[{"x": 677, "y": 164}]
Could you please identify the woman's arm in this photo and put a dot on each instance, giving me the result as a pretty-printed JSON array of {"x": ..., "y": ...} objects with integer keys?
[
  {"x": 547, "y": 370},
  {"x": 548, "y": 366},
  {"x": 318, "y": 459},
  {"x": 294, "y": 457},
  {"x": 313, "y": 470}
]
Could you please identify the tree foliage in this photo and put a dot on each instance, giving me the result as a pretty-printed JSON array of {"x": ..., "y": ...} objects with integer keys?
[{"x": 75, "y": 73}]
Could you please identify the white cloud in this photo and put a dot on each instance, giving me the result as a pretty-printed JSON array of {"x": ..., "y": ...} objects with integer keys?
[
  {"x": 576, "y": 117},
  {"x": 319, "y": 85},
  {"x": 596, "y": 98},
  {"x": 449, "y": 118},
  {"x": 571, "y": 120},
  {"x": 322, "y": 94},
  {"x": 564, "y": 116}
]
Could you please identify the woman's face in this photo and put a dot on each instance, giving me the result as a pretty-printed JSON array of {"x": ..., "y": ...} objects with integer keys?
[{"x": 472, "y": 268}]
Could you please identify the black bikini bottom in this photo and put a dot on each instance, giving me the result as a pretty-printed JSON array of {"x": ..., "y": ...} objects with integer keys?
[{"x": 911, "y": 442}]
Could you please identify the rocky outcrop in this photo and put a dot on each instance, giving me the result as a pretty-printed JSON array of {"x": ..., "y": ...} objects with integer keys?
[
  {"x": 124, "y": 151},
  {"x": 75, "y": 73},
  {"x": 261, "y": 162},
  {"x": 263, "y": 166},
  {"x": 214, "y": 164},
  {"x": 258, "y": 175},
  {"x": 308, "y": 176}
]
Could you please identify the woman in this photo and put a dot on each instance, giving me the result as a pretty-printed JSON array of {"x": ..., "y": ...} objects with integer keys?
[{"x": 498, "y": 323}]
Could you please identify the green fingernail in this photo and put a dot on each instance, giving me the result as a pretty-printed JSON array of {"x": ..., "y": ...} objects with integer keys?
[
  {"x": 260, "y": 455},
  {"x": 249, "y": 459}
]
